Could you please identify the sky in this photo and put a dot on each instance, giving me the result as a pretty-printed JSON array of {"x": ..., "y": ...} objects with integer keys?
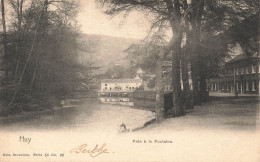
[{"x": 93, "y": 21}]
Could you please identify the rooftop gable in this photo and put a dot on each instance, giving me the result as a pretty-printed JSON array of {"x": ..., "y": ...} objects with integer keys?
[{"x": 244, "y": 57}]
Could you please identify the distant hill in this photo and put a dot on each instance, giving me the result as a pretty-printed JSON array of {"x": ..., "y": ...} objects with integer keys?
[{"x": 104, "y": 51}]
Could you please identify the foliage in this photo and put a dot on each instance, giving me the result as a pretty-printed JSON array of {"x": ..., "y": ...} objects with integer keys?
[
  {"x": 117, "y": 71},
  {"x": 151, "y": 83},
  {"x": 45, "y": 62},
  {"x": 201, "y": 21},
  {"x": 246, "y": 33},
  {"x": 214, "y": 49},
  {"x": 146, "y": 53}
]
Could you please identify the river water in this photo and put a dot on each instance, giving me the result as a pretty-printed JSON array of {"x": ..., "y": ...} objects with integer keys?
[
  {"x": 143, "y": 104},
  {"x": 90, "y": 114}
]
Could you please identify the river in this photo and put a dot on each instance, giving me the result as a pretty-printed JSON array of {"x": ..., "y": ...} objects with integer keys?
[{"x": 90, "y": 114}]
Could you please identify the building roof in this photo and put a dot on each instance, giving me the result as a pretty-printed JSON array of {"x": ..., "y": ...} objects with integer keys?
[
  {"x": 140, "y": 71},
  {"x": 243, "y": 57},
  {"x": 121, "y": 81}
]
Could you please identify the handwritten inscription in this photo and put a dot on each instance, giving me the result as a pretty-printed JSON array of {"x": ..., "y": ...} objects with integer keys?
[{"x": 96, "y": 151}]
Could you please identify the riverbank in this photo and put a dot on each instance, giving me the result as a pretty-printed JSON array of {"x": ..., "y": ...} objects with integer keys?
[{"x": 219, "y": 130}]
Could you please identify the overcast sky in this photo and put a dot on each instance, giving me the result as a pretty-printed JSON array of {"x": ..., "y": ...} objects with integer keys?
[{"x": 93, "y": 21}]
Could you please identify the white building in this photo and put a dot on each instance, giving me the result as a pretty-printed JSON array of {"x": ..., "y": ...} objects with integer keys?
[{"x": 120, "y": 85}]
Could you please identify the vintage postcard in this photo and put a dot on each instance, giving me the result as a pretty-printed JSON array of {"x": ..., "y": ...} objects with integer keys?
[{"x": 129, "y": 80}]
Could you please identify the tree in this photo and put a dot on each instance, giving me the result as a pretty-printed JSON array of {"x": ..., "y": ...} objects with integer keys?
[
  {"x": 18, "y": 7},
  {"x": 151, "y": 83},
  {"x": 198, "y": 20},
  {"x": 165, "y": 12},
  {"x": 146, "y": 53},
  {"x": 210, "y": 19},
  {"x": 246, "y": 34},
  {"x": 4, "y": 39},
  {"x": 117, "y": 71},
  {"x": 45, "y": 60}
]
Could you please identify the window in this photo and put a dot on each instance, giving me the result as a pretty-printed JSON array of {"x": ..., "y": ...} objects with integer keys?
[
  {"x": 133, "y": 88},
  {"x": 105, "y": 84},
  {"x": 227, "y": 86},
  {"x": 105, "y": 88},
  {"x": 225, "y": 72},
  {"x": 242, "y": 70},
  {"x": 230, "y": 72},
  {"x": 212, "y": 88},
  {"x": 253, "y": 85},
  {"x": 247, "y": 86},
  {"x": 247, "y": 70},
  {"x": 253, "y": 68}
]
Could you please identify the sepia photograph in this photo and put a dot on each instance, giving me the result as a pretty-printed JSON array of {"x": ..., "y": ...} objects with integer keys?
[{"x": 129, "y": 80}]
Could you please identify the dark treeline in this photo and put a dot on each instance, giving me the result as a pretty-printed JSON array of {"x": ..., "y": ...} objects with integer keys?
[{"x": 40, "y": 60}]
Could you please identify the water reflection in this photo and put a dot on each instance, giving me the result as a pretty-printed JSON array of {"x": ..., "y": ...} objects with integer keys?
[
  {"x": 117, "y": 100},
  {"x": 145, "y": 104}
]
